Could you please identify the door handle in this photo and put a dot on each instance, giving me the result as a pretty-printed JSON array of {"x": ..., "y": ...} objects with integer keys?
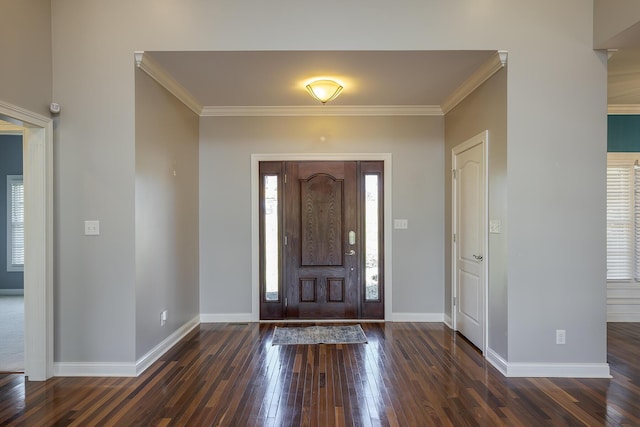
[
  {"x": 478, "y": 257},
  {"x": 350, "y": 253}
]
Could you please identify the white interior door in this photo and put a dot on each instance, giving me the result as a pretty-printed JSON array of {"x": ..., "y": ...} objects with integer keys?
[{"x": 469, "y": 245}]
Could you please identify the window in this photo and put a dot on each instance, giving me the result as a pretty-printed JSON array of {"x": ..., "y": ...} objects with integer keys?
[
  {"x": 623, "y": 216},
  {"x": 15, "y": 223},
  {"x": 271, "y": 238},
  {"x": 371, "y": 238}
]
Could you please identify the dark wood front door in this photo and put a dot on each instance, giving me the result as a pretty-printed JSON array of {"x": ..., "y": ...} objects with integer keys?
[
  {"x": 321, "y": 264},
  {"x": 318, "y": 257}
]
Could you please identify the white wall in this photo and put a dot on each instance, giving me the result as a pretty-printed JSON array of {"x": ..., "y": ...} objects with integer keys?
[
  {"x": 556, "y": 114},
  {"x": 166, "y": 213},
  {"x": 226, "y": 145},
  {"x": 486, "y": 108}
]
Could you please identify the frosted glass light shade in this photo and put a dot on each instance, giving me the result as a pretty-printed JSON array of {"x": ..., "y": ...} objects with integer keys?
[{"x": 324, "y": 90}]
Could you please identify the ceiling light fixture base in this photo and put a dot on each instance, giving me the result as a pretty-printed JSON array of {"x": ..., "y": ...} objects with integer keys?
[{"x": 324, "y": 90}]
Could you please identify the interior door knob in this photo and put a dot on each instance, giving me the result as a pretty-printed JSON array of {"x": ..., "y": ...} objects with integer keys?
[
  {"x": 478, "y": 257},
  {"x": 351, "y": 252}
]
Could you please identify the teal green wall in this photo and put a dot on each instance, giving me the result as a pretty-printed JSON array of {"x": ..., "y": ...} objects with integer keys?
[{"x": 623, "y": 133}]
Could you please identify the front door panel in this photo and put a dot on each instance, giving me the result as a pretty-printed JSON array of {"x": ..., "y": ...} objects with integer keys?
[{"x": 321, "y": 265}]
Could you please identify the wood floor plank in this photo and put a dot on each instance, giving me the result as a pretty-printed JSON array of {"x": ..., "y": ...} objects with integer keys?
[{"x": 408, "y": 374}]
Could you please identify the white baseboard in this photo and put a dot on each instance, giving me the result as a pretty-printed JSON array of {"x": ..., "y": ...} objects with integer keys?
[
  {"x": 11, "y": 292},
  {"x": 559, "y": 370},
  {"x": 497, "y": 361},
  {"x": 417, "y": 317},
  {"x": 106, "y": 369},
  {"x": 324, "y": 321},
  {"x": 249, "y": 317},
  {"x": 155, "y": 353},
  {"x": 110, "y": 369},
  {"x": 228, "y": 318},
  {"x": 448, "y": 321},
  {"x": 548, "y": 370}
]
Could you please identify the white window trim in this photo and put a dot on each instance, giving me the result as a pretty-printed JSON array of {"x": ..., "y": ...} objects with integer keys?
[{"x": 11, "y": 181}]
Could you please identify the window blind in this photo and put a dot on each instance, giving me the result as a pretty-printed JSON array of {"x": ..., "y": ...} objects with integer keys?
[
  {"x": 15, "y": 211},
  {"x": 636, "y": 221},
  {"x": 623, "y": 219}
]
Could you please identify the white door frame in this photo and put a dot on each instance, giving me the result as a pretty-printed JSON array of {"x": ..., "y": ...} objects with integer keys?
[
  {"x": 483, "y": 139},
  {"x": 255, "y": 216},
  {"x": 38, "y": 271}
]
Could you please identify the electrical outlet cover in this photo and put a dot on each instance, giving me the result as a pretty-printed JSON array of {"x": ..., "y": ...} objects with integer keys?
[{"x": 92, "y": 228}]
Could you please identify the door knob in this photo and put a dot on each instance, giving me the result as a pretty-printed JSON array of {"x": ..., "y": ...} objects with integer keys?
[
  {"x": 351, "y": 252},
  {"x": 478, "y": 257}
]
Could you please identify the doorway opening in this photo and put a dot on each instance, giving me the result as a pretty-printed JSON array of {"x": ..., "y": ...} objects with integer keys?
[
  {"x": 329, "y": 255},
  {"x": 12, "y": 249},
  {"x": 38, "y": 238},
  {"x": 321, "y": 240}
]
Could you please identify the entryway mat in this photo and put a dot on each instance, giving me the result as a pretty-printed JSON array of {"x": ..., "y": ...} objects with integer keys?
[{"x": 351, "y": 334}]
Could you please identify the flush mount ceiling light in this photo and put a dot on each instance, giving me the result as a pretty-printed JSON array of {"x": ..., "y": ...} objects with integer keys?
[{"x": 324, "y": 90}]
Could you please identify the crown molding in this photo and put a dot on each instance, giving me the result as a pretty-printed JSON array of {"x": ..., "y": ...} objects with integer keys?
[
  {"x": 147, "y": 64},
  {"x": 481, "y": 75},
  {"x": 624, "y": 109},
  {"x": 323, "y": 110}
]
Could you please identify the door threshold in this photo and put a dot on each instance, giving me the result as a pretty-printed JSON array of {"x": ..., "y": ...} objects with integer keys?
[{"x": 323, "y": 321}]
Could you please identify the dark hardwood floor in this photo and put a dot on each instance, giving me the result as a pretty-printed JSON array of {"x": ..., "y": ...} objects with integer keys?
[{"x": 409, "y": 374}]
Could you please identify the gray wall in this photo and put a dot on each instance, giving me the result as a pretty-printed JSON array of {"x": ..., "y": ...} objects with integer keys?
[
  {"x": 615, "y": 23},
  {"x": 10, "y": 164},
  {"x": 486, "y": 108},
  {"x": 226, "y": 145},
  {"x": 25, "y": 43},
  {"x": 166, "y": 213},
  {"x": 556, "y": 108}
]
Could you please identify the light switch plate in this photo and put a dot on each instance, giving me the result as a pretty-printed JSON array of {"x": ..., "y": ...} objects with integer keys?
[
  {"x": 401, "y": 224},
  {"x": 495, "y": 226},
  {"x": 92, "y": 228}
]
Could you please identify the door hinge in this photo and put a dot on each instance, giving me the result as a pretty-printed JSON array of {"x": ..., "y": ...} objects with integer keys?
[
  {"x": 286, "y": 302},
  {"x": 454, "y": 237},
  {"x": 455, "y": 301},
  {"x": 455, "y": 173},
  {"x": 286, "y": 240},
  {"x": 285, "y": 178}
]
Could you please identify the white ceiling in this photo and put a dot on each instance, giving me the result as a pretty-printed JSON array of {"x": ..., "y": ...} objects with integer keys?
[{"x": 276, "y": 78}]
